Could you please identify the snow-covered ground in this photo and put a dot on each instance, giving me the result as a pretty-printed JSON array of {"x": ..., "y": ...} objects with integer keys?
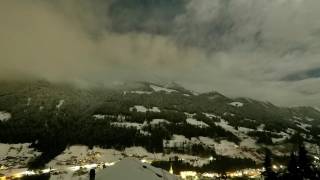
[
  {"x": 284, "y": 137},
  {"x": 261, "y": 127},
  {"x": 225, "y": 125},
  {"x": 5, "y": 116},
  {"x": 236, "y": 104},
  {"x": 197, "y": 123},
  {"x": 127, "y": 124},
  {"x": 139, "y": 108},
  {"x": 159, "y": 121},
  {"x": 119, "y": 117},
  {"x": 60, "y": 104},
  {"x": 137, "y": 92},
  {"x": 176, "y": 141},
  {"x": 15, "y": 156},
  {"x": 303, "y": 126},
  {"x": 29, "y": 101},
  {"x": 78, "y": 153},
  {"x": 138, "y": 126},
  {"x": 159, "y": 89},
  {"x": 246, "y": 149},
  {"x": 77, "y": 158},
  {"x": 143, "y": 109},
  {"x": 155, "y": 109},
  {"x": 131, "y": 168},
  {"x": 309, "y": 119},
  {"x": 189, "y": 115},
  {"x": 99, "y": 116},
  {"x": 210, "y": 115},
  {"x": 316, "y": 108}
]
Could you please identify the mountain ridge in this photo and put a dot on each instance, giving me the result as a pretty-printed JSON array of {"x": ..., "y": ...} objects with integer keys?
[{"x": 154, "y": 117}]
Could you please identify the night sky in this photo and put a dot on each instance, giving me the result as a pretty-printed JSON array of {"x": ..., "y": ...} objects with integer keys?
[{"x": 267, "y": 49}]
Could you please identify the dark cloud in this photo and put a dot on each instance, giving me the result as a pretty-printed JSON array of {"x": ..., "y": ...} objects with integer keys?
[
  {"x": 149, "y": 16},
  {"x": 299, "y": 76},
  {"x": 250, "y": 48}
]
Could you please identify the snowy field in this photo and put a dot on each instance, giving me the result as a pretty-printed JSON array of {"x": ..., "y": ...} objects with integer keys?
[
  {"x": 143, "y": 109},
  {"x": 4, "y": 116}
]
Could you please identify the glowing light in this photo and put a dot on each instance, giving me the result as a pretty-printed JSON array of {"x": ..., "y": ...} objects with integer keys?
[
  {"x": 171, "y": 170},
  {"x": 146, "y": 161},
  {"x": 210, "y": 175},
  {"x": 74, "y": 168},
  {"x": 28, "y": 173},
  {"x": 235, "y": 174},
  {"x": 185, "y": 174},
  {"x": 90, "y": 166},
  {"x": 46, "y": 171},
  {"x": 109, "y": 164},
  {"x": 19, "y": 175}
]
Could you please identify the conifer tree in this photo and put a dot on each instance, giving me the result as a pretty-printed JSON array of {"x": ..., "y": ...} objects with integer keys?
[
  {"x": 305, "y": 164},
  {"x": 268, "y": 173},
  {"x": 293, "y": 170}
]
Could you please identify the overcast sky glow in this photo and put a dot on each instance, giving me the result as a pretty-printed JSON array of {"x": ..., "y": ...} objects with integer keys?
[{"x": 266, "y": 49}]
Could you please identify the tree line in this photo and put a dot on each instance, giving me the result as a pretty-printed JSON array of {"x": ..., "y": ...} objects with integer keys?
[{"x": 299, "y": 167}]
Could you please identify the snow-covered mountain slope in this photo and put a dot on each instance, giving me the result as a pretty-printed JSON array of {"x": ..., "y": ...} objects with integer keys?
[{"x": 159, "y": 118}]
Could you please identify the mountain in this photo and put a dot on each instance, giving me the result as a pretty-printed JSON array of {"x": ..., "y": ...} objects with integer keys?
[{"x": 166, "y": 119}]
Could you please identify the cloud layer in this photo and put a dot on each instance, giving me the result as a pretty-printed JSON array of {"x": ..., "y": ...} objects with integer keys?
[{"x": 266, "y": 49}]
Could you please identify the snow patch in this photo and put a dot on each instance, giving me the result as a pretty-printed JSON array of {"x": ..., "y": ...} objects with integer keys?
[
  {"x": 245, "y": 150},
  {"x": 284, "y": 137},
  {"x": 226, "y": 148},
  {"x": 228, "y": 114},
  {"x": 155, "y": 109},
  {"x": 296, "y": 117},
  {"x": 29, "y": 101},
  {"x": 303, "y": 126},
  {"x": 99, "y": 116},
  {"x": 159, "y": 89},
  {"x": 317, "y": 109},
  {"x": 195, "y": 93},
  {"x": 143, "y": 109},
  {"x": 127, "y": 124},
  {"x": 119, "y": 117},
  {"x": 159, "y": 121},
  {"x": 59, "y": 105},
  {"x": 176, "y": 141},
  {"x": 244, "y": 129},
  {"x": 236, "y": 104},
  {"x": 138, "y": 126},
  {"x": 189, "y": 115},
  {"x": 138, "y": 92},
  {"x": 5, "y": 116},
  {"x": 194, "y": 122},
  {"x": 225, "y": 125},
  {"x": 209, "y": 115},
  {"x": 261, "y": 127},
  {"x": 249, "y": 143},
  {"x": 290, "y": 131},
  {"x": 309, "y": 119}
]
